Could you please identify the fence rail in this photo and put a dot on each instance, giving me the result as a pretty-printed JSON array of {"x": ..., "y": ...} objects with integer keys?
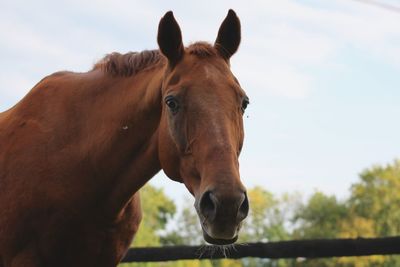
[{"x": 319, "y": 248}]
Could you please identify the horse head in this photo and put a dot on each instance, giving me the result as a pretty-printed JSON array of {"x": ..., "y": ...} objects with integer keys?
[{"x": 201, "y": 131}]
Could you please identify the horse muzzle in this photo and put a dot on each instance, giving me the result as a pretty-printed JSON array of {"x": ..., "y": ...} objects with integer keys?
[{"x": 221, "y": 214}]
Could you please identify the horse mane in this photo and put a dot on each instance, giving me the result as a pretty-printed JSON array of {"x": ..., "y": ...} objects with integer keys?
[
  {"x": 131, "y": 63},
  {"x": 128, "y": 64}
]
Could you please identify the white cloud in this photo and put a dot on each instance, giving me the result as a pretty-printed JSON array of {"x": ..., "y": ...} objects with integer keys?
[
  {"x": 277, "y": 79},
  {"x": 283, "y": 38},
  {"x": 13, "y": 88},
  {"x": 24, "y": 38},
  {"x": 280, "y": 38},
  {"x": 62, "y": 36},
  {"x": 364, "y": 27}
]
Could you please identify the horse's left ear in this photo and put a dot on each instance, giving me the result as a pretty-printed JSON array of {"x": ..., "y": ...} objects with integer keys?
[
  {"x": 169, "y": 39},
  {"x": 228, "y": 39}
]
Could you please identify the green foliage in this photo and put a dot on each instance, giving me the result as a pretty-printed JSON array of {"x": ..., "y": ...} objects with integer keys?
[
  {"x": 267, "y": 221},
  {"x": 377, "y": 197},
  {"x": 375, "y": 202},
  {"x": 268, "y": 216},
  {"x": 187, "y": 230},
  {"x": 157, "y": 210},
  {"x": 320, "y": 217},
  {"x": 372, "y": 209}
]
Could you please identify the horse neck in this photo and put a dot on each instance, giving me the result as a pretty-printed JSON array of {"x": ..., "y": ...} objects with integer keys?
[{"x": 125, "y": 146}]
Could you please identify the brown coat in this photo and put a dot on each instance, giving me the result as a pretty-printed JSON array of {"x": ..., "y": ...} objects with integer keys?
[{"x": 75, "y": 151}]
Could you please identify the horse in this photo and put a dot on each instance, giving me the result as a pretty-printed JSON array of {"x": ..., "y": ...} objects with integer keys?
[{"x": 75, "y": 151}]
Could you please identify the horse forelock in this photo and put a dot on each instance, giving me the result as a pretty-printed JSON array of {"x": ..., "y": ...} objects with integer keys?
[{"x": 202, "y": 50}]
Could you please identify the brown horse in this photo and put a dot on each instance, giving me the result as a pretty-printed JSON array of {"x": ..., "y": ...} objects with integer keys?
[{"x": 76, "y": 150}]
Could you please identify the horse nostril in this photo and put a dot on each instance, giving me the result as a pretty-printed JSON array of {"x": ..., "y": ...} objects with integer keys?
[
  {"x": 208, "y": 207},
  {"x": 243, "y": 209}
]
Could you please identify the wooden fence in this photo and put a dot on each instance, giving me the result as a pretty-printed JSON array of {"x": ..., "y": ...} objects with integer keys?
[{"x": 319, "y": 248}]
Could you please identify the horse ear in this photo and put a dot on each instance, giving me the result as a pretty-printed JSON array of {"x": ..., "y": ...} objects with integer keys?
[
  {"x": 169, "y": 38},
  {"x": 228, "y": 39}
]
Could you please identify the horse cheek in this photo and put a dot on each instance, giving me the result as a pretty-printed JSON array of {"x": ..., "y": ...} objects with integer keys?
[{"x": 168, "y": 154}]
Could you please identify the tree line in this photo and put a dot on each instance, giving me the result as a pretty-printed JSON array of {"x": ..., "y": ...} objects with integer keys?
[{"x": 371, "y": 210}]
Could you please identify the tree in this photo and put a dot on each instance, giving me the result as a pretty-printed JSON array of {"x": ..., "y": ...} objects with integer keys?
[
  {"x": 374, "y": 206},
  {"x": 377, "y": 197},
  {"x": 268, "y": 220},
  {"x": 371, "y": 210},
  {"x": 320, "y": 217},
  {"x": 187, "y": 230}
]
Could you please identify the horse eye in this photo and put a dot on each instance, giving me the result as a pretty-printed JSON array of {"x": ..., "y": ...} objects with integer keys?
[
  {"x": 245, "y": 103},
  {"x": 172, "y": 103}
]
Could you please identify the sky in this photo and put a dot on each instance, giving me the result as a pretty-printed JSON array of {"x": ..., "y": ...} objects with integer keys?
[{"x": 323, "y": 76}]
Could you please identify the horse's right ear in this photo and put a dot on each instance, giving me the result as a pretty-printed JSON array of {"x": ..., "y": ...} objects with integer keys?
[
  {"x": 229, "y": 35},
  {"x": 169, "y": 39}
]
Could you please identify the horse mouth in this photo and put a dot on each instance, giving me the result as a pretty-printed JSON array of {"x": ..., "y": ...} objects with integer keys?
[{"x": 217, "y": 241}]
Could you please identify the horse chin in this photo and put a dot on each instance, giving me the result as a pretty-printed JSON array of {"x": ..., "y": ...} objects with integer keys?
[{"x": 218, "y": 241}]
